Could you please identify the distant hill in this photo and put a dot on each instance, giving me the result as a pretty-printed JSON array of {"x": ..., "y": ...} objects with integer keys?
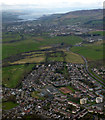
[
  {"x": 8, "y": 16},
  {"x": 88, "y": 18}
]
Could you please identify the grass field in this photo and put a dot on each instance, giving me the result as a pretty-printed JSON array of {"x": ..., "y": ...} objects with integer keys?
[
  {"x": 8, "y": 105},
  {"x": 98, "y": 32},
  {"x": 67, "y": 56},
  {"x": 30, "y": 44},
  {"x": 36, "y": 95},
  {"x": 9, "y": 36},
  {"x": 91, "y": 52},
  {"x": 55, "y": 59},
  {"x": 36, "y": 59},
  {"x": 10, "y": 49},
  {"x": 57, "y": 56},
  {"x": 73, "y": 58},
  {"x": 71, "y": 40},
  {"x": 12, "y": 75}
]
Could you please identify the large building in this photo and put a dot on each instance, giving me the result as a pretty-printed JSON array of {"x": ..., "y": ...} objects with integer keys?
[
  {"x": 83, "y": 101},
  {"x": 99, "y": 99}
]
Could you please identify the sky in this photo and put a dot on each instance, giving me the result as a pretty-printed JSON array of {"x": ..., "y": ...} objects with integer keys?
[{"x": 53, "y": 4}]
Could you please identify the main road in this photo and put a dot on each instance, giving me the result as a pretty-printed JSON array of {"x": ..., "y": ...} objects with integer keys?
[{"x": 91, "y": 75}]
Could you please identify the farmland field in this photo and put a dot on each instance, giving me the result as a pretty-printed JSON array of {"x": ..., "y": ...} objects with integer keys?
[
  {"x": 31, "y": 44},
  {"x": 98, "y": 32},
  {"x": 73, "y": 58},
  {"x": 91, "y": 52},
  {"x": 36, "y": 59},
  {"x": 12, "y": 75},
  {"x": 7, "y": 37}
]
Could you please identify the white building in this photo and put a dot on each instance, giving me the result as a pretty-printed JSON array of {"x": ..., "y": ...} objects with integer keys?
[
  {"x": 83, "y": 101},
  {"x": 99, "y": 99}
]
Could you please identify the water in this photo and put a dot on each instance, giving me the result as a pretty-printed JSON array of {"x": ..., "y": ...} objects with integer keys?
[{"x": 32, "y": 16}]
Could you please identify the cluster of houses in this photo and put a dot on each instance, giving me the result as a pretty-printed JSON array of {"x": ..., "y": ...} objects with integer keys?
[
  {"x": 100, "y": 72},
  {"x": 48, "y": 92}
]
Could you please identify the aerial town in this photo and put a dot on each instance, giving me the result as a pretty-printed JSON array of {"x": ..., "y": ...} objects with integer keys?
[
  {"x": 52, "y": 70},
  {"x": 51, "y": 92}
]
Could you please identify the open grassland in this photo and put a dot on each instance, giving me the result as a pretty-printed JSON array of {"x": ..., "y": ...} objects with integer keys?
[
  {"x": 98, "y": 32},
  {"x": 67, "y": 56},
  {"x": 57, "y": 56},
  {"x": 45, "y": 47},
  {"x": 36, "y": 59},
  {"x": 10, "y": 49},
  {"x": 55, "y": 59},
  {"x": 31, "y": 44},
  {"x": 9, "y": 36},
  {"x": 13, "y": 75},
  {"x": 73, "y": 58},
  {"x": 8, "y": 105},
  {"x": 0, "y": 76},
  {"x": 71, "y": 40},
  {"x": 91, "y": 51}
]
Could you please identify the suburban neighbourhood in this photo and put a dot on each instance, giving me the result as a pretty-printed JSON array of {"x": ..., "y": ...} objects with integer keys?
[{"x": 57, "y": 90}]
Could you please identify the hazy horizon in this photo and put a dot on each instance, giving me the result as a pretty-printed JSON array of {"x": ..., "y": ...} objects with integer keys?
[
  {"x": 52, "y": 5},
  {"x": 45, "y": 7}
]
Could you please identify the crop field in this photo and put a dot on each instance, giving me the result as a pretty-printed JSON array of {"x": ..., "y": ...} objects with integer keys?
[
  {"x": 91, "y": 52},
  {"x": 12, "y": 75}
]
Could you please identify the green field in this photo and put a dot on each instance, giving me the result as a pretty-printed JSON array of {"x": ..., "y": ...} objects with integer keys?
[
  {"x": 57, "y": 56},
  {"x": 9, "y": 36},
  {"x": 71, "y": 88},
  {"x": 9, "y": 49},
  {"x": 35, "y": 59},
  {"x": 36, "y": 95},
  {"x": 98, "y": 32},
  {"x": 8, "y": 105},
  {"x": 33, "y": 43},
  {"x": 91, "y": 52},
  {"x": 13, "y": 75},
  {"x": 66, "y": 56},
  {"x": 73, "y": 58}
]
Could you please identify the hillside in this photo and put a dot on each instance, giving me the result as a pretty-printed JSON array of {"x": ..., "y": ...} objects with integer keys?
[{"x": 87, "y": 18}]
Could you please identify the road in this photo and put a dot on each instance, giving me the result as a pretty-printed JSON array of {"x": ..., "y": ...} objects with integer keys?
[
  {"x": 86, "y": 66},
  {"x": 91, "y": 75}
]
